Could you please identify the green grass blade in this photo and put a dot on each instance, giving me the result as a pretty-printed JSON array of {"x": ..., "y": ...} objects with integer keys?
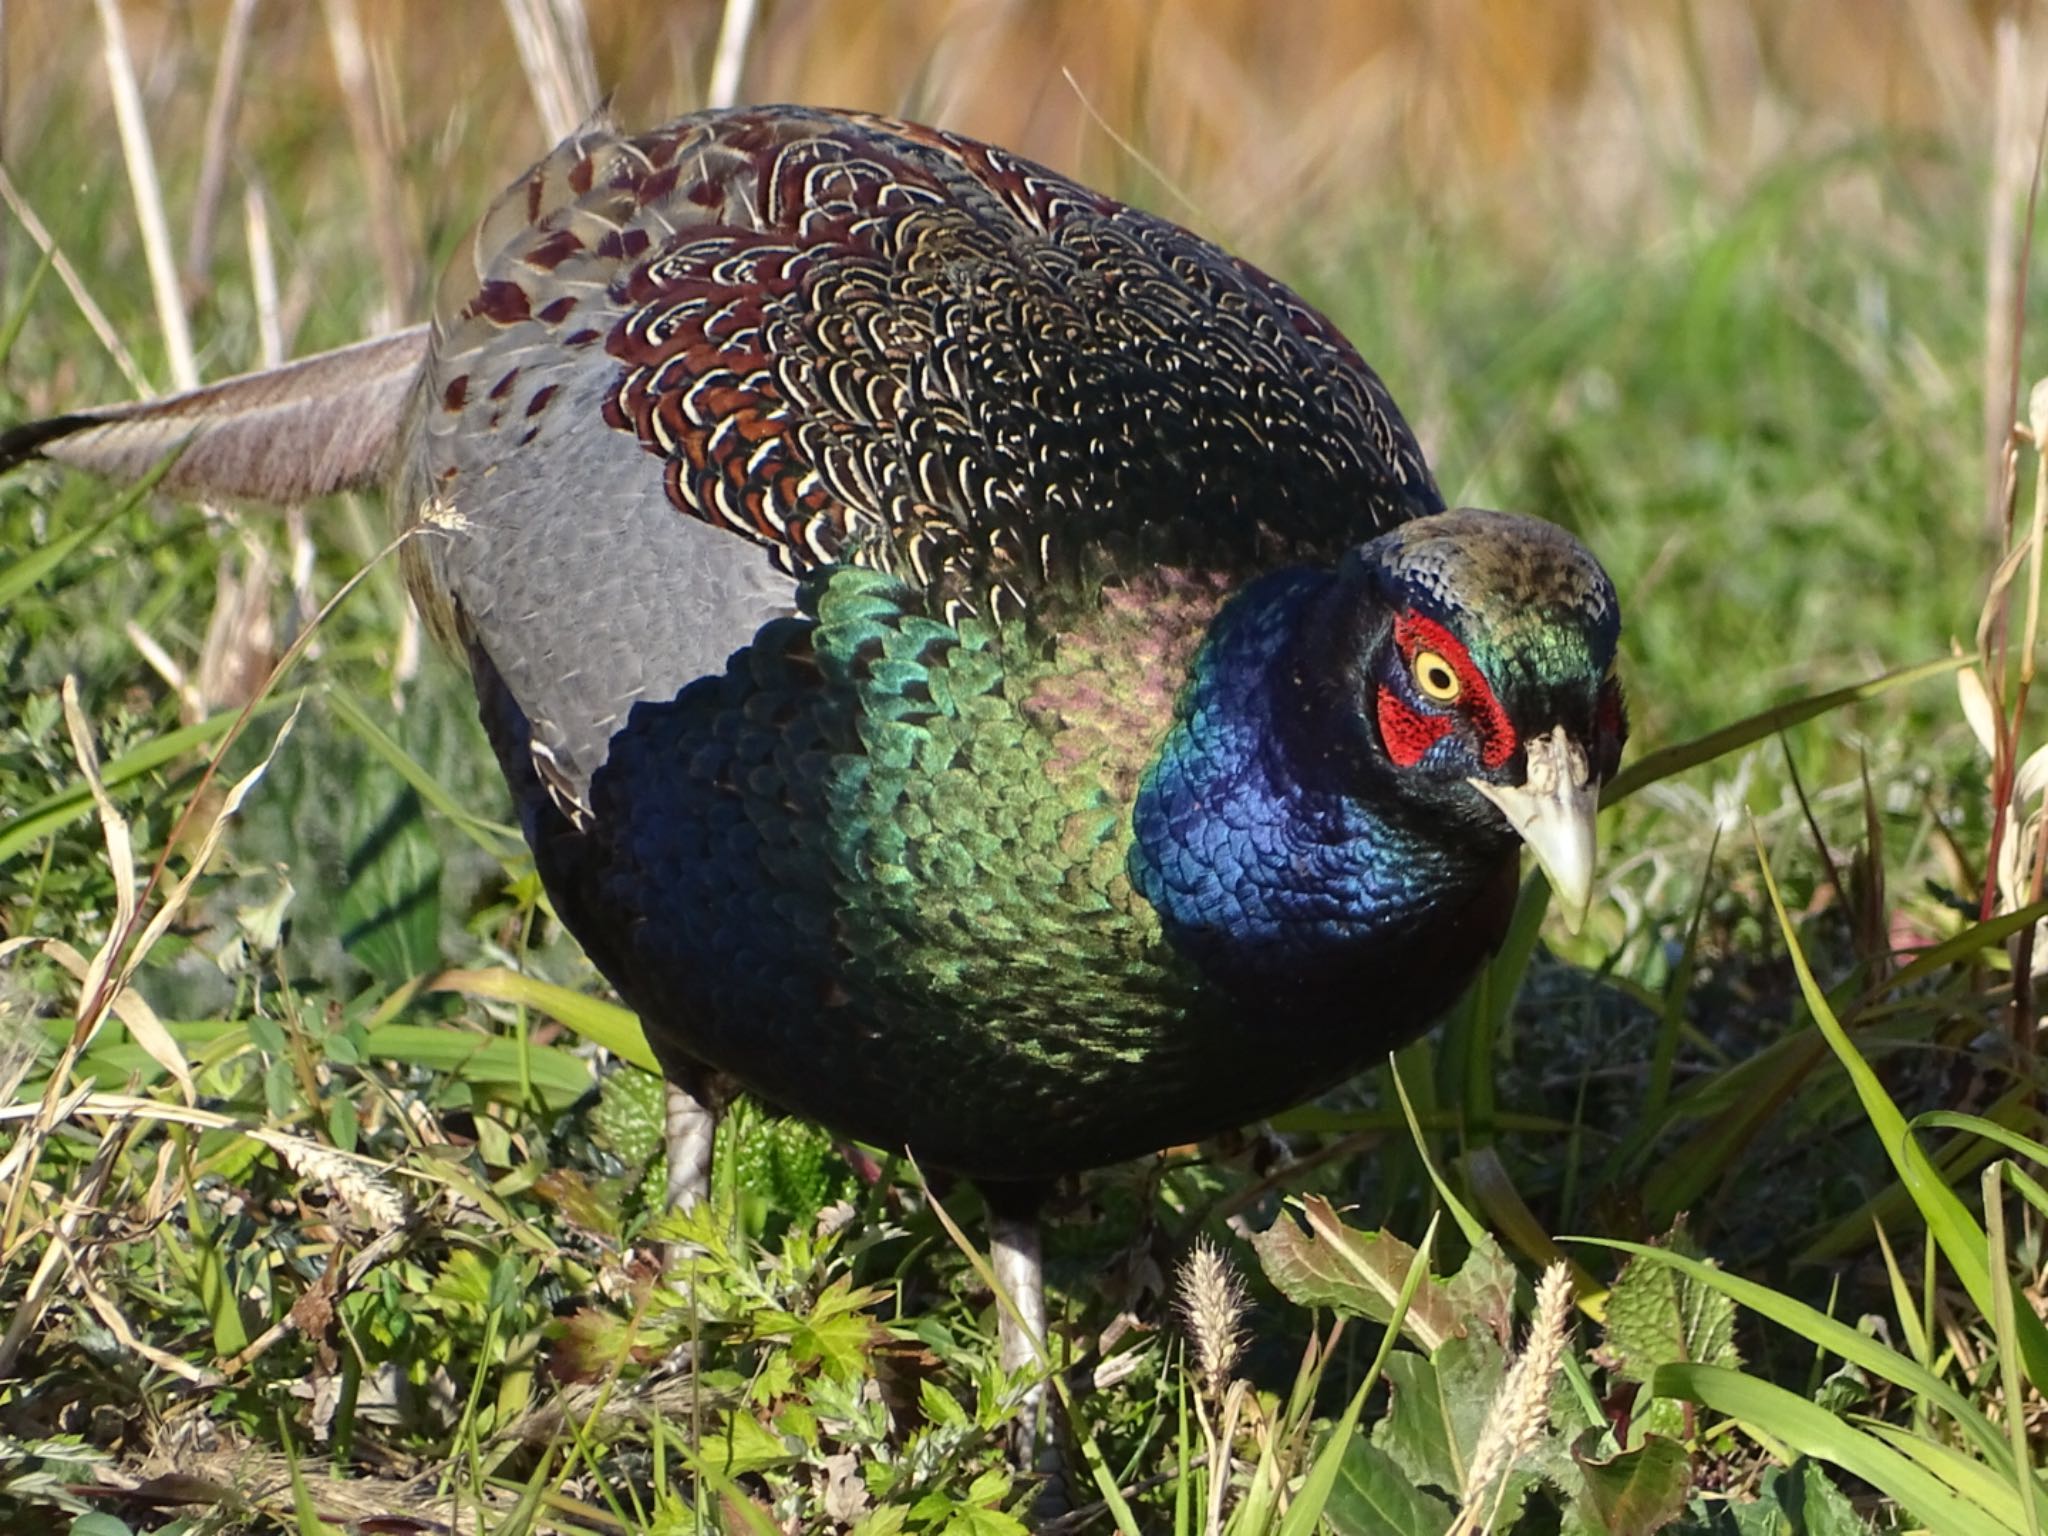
[
  {"x": 1671, "y": 1012},
  {"x": 1812, "y": 1431},
  {"x": 1963, "y": 1242},
  {"x": 1307, "y": 1508},
  {"x": 607, "y": 1024},
  {"x": 2004, "y": 1329},
  {"x": 1962, "y": 1156},
  {"x": 1183, "y": 1483},
  {"x": 559, "y": 1076},
  {"x": 12, "y": 332},
  {"x": 1836, "y": 1337},
  {"x": 1653, "y": 767},
  {"x": 1973, "y": 938},
  {"x": 501, "y": 842},
  {"x": 1990, "y": 1130},
  {"x": 1471, "y": 1032},
  {"x": 54, "y": 811},
  {"x": 1468, "y": 1224},
  {"x": 1969, "y": 1477},
  {"x": 19, "y": 576},
  {"x": 1902, "y": 1302}
]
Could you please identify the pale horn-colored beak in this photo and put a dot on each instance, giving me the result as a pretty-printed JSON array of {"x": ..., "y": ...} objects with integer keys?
[{"x": 1553, "y": 810}]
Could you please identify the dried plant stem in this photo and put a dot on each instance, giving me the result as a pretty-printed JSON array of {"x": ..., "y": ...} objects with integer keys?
[
  {"x": 553, "y": 38},
  {"x": 74, "y": 285},
  {"x": 2008, "y": 166},
  {"x": 222, "y": 108},
  {"x": 86, "y": 1201},
  {"x": 380, "y": 180},
  {"x": 149, "y": 197},
  {"x": 729, "y": 56}
]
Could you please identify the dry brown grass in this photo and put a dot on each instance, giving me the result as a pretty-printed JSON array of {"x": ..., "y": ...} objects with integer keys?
[{"x": 1264, "y": 115}]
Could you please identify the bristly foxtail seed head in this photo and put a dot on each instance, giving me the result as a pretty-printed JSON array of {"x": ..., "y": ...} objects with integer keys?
[
  {"x": 1212, "y": 1306},
  {"x": 1521, "y": 1409}
]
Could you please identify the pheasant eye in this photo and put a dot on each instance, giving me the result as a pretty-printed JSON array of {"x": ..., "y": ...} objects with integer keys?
[{"x": 1435, "y": 677}]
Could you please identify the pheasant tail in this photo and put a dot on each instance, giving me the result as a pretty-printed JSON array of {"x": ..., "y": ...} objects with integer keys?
[{"x": 325, "y": 423}]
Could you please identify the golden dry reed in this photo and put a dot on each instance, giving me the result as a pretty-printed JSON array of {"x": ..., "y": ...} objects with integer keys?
[{"x": 1251, "y": 119}]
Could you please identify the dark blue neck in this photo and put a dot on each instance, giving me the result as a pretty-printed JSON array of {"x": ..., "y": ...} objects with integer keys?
[{"x": 1272, "y": 843}]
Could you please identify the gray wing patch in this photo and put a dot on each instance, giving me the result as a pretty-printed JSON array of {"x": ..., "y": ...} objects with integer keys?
[{"x": 557, "y": 551}]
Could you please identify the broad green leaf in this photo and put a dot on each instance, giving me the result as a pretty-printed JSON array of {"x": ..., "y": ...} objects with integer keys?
[
  {"x": 1374, "y": 1497},
  {"x": 1357, "y": 1273},
  {"x": 1790, "y": 1501},
  {"x": 557, "y": 1075},
  {"x": 391, "y": 905},
  {"x": 1438, "y": 1409},
  {"x": 1637, "y": 1492},
  {"x": 1310, "y": 1500},
  {"x": 1813, "y": 1505}
]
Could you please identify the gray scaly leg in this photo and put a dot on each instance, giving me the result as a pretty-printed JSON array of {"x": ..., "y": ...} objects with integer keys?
[
  {"x": 1020, "y": 1273},
  {"x": 1015, "y": 1255},
  {"x": 690, "y": 1126}
]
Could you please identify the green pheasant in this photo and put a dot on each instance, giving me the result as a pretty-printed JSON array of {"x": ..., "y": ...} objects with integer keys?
[{"x": 977, "y": 665}]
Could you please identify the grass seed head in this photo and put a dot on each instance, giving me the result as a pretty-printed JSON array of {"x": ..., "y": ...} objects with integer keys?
[
  {"x": 1521, "y": 1410},
  {"x": 1212, "y": 1306}
]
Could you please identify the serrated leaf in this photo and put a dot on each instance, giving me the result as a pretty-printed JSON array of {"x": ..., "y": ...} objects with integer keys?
[
  {"x": 1438, "y": 1408},
  {"x": 463, "y": 1281},
  {"x": 1658, "y": 1315},
  {"x": 740, "y": 1445},
  {"x": 1483, "y": 1290},
  {"x": 1639, "y": 1491},
  {"x": 1374, "y": 1497},
  {"x": 1358, "y": 1273},
  {"x": 628, "y": 1119}
]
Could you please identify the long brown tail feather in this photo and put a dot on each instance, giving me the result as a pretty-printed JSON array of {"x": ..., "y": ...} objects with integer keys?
[{"x": 325, "y": 423}]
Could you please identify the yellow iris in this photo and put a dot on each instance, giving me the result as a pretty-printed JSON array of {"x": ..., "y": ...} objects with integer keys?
[{"x": 1436, "y": 677}]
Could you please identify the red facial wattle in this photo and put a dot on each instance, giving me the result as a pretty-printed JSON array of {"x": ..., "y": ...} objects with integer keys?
[{"x": 1409, "y": 731}]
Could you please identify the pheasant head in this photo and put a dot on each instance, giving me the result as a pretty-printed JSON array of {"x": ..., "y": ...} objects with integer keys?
[{"x": 1359, "y": 753}]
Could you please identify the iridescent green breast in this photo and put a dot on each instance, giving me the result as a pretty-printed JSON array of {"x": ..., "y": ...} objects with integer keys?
[{"x": 878, "y": 872}]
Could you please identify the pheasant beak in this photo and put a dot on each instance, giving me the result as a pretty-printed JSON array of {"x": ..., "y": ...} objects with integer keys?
[{"x": 1553, "y": 810}]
